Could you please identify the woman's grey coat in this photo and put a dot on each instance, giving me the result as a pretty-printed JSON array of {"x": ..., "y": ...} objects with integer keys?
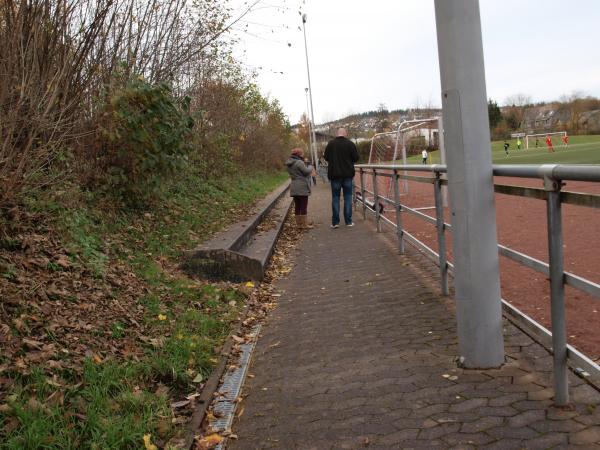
[{"x": 300, "y": 175}]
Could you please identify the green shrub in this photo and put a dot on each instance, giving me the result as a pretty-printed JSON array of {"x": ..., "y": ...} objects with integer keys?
[{"x": 145, "y": 131}]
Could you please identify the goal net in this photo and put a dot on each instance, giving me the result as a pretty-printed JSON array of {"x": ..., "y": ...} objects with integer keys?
[
  {"x": 383, "y": 151},
  {"x": 539, "y": 139},
  {"x": 383, "y": 148},
  {"x": 396, "y": 147}
]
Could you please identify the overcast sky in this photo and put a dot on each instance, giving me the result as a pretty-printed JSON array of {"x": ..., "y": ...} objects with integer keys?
[{"x": 363, "y": 53}]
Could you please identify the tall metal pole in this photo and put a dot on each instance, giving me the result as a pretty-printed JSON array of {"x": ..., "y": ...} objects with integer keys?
[
  {"x": 312, "y": 114},
  {"x": 310, "y": 128},
  {"x": 470, "y": 182}
]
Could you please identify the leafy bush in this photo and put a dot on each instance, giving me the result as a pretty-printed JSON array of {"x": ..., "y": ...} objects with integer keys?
[{"x": 145, "y": 132}]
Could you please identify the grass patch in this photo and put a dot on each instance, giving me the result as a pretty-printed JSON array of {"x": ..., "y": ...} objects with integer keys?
[
  {"x": 111, "y": 400},
  {"x": 581, "y": 150},
  {"x": 84, "y": 240},
  {"x": 108, "y": 409}
]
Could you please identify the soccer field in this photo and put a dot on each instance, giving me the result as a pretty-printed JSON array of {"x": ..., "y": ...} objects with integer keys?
[{"x": 581, "y": 150}]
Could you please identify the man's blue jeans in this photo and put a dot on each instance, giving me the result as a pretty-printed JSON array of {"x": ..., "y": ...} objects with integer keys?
[{"x": 337, "y": 184}]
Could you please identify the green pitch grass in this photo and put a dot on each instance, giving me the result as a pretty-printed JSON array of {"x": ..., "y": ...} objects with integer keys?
[{"x": 581, "y": 150}]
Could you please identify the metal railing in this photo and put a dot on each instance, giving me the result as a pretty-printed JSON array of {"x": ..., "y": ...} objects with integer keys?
[{"x": 553, "y": 176}]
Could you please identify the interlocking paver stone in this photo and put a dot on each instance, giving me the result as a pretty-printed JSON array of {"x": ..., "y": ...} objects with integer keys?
[
  {"x": 512, "y": 432},
  {"x": 589, "y": 436},
  {"x": 361, "y": 363},
  {"x": 468, "y": 405},
  {"x": 525, "y": 418},
  {"x": 546, "y": 441},
  {"x": 468, "y": 439},
  {"x": 482, "y": 424}
]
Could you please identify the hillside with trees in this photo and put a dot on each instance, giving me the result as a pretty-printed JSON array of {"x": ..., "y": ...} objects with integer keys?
[{"x": 576, "y": 113}]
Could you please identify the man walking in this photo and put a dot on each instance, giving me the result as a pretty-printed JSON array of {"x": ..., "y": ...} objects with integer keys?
[{"x": 341, "y": 154}]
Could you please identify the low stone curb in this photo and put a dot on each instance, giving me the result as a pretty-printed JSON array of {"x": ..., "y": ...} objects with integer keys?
[{"x": 221, "y": 257}]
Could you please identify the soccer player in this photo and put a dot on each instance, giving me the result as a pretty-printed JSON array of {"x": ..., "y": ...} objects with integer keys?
[
  {"x": 424, "y": 155},
  {"x": 549, "y": 144},
  {"x": 537, "y": 142},
  {"x": 565, "y": 140},
  {"x": 518, "y": 143},
  {"x": 506, "y": 145}
]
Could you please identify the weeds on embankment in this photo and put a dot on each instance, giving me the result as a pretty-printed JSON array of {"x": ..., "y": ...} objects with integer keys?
[{"x": 104, "y": 340}]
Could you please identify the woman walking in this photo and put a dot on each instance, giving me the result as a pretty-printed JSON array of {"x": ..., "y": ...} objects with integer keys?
[{"x": 300, "y": 187}]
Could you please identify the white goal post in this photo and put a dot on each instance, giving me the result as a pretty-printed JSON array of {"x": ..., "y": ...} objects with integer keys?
[
  {"x": 537, "y": 135},
  {"x": 391, "y": 146}
]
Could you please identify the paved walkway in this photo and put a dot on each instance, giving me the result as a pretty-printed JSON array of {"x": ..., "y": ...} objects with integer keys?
[{"x": 359, "y": 354}]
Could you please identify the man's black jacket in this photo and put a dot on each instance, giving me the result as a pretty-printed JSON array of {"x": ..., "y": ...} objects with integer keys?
[{"x": 340, "y": 154}]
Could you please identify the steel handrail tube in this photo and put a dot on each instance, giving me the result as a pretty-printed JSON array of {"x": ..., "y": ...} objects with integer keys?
[
  {"x": 419, "y": 214},
  {"x": 552, "y": 175},
  {"x": 563, "y": 172},
  {"x": 415, "y": 167}
]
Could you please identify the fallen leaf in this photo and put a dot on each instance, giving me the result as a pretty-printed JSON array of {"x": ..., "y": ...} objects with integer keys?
[
  {"x": 193, "y": 396},
  {"x": 19, "y": 324},
  {"x": 241, "y": 411},
  {"x": 249, "y": 284},
  {"x": 4, "y": 408},
  {"x": 198, "y": 378},
  {"x": 181, "y": 404},
  {"x": 11, "y": 424},
  {"x": 210, "y": 441},
  {"x": 148, "y": 445},
  {"x": 162, "y": 317},
  {"x": 63, "y": 261},
  {"x": 32, "y": 344}
]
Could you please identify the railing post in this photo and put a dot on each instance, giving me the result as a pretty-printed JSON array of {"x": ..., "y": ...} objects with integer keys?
[
  {"x": 557, "y": 292},
  {"x": 397, "y": 206},
  {"x": 362, "y": 193},
  {"x": 439, "y": 213},
  {"x": 376, "y": 201}
]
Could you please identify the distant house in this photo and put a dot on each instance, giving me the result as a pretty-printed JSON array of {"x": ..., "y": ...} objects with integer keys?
[{"x": 540, "y": 119}]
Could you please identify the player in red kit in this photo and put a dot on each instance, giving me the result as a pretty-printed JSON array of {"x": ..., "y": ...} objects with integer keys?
[{"x": 549, "y": 144}]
